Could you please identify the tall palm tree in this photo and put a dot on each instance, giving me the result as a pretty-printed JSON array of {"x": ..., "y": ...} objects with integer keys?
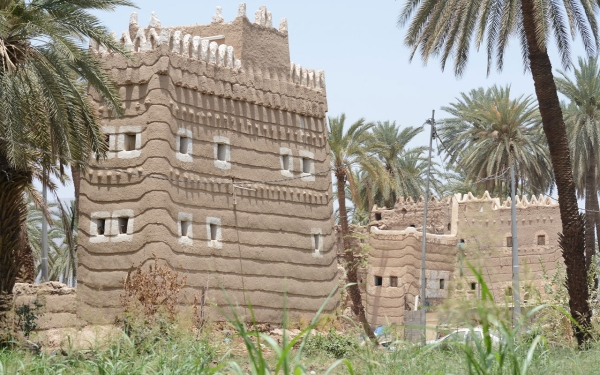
[
  {"x": 404, "y": 165},
  {"x": 347, "y": 150},
  {"x": 582, "y": 116},
  {"x": 488, "y": 131},
  {"x": 46, "y": 118},
  {"x": 450, "y": 28}
]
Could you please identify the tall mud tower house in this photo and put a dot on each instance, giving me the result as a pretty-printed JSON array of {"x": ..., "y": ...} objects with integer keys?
[{"x": 219, "y": 168}]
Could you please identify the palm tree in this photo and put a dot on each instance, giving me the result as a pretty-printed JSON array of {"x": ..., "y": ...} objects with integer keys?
[
  {"x": 449, "y": 28},
  {"x": 47, "y": 119},
  {"x": 347, "y": 150},
  {"x": 488, "y": 131},
  {"x": 404, "y": 165},
  {"x": 582, "y": 116}
]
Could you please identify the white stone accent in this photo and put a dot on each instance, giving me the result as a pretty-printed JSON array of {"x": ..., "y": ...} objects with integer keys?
[
  {"x": 187, "y": 39},
  {"x": 188, "y": 238},
  {"x": 177, "y": 42},
  {"x": 165, "y": 37},
  {"x": 230, "y": 57},
  {"x": 283, "y": 25},
  {"x": 195, "y": 47},
  {"x": 222, "y": 164},
  {"x": 308, "y": 155},
  {"x": 217, "y": 243},
  {"x": 133, "y": 19},
  {"x": 212, "y": 56},
  {"x": 242, "y": 10},
  {"x": 204, "y": 49},
  {"x": 122, "y": 154},
  {"x": 286, "y": 172},
  {"x": 184, "y": 157},
  {"x": 269, "y": 20},
  {"x": 221, "y": 56},
  {"x": 153, "y": 35},
  {"x": 237, "y": 64},
  {"x": 94, "y": 237},
  {"x": 218, "y": 17},
  {"x": 117, "y": 237},
  {"x": 154, "y": 21},
  {"x": 318, "y": 248},
  {"x": 126, "y": 40}
]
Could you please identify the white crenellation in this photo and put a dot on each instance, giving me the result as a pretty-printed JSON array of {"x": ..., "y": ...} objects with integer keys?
[
  {"x": 218, "y": 17},
  {"x": 269, "y": 21},
  {"x": 177, "y": 42},
  {"x": 153, "y": 38},
  {"x": 283, "y": 25},
  {"x": 126, "y": 40},
  {"x": 187, "y": 39},
  {"x": 140, "y": 43},
  {"x": 230, "y": 57},
  {"x": 154, "y": 21},
  {"x": 133, "y": 19},
  {"x": 195, "y": 47},
  {"x": 204, "y": 45},
  {"x": 221, "y": 58},
  {"x": 242, "y": 10},
  {"x": 212, "y": 56},
  {"x": 165, "y": 37}
]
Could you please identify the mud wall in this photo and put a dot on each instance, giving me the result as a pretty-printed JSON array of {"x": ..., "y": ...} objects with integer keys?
[{"x": 223, "y": 182}]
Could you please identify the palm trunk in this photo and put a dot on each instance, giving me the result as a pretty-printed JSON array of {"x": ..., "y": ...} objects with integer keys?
[
  {"x": 590, "y": 216},
  {"x": 572, "y": 240},
  {"x": 13, "y": 213},
  {"x": 596, "y": 206},
  {"x": 76, "y": 176},
  {"x": 351, "y": 263}
]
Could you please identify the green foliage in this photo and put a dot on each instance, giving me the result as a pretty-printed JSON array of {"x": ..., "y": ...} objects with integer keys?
[
  {"x": 27, "y": 317},
  {"x": 333, "y": 344}
]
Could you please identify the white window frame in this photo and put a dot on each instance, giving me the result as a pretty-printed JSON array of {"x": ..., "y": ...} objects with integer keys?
[
  {"x": 122, "y": 237},
  {"x": 122, "y": 154},
  {"x": 217, "y": 244},
  {"x": 307, "y": 155},
  {"x": 187, "y": 157},
  {"x": 94, "y": 236},
  {"x": 317, "y": 250},
  {"x": 222, "y": 164},
  {"x": 283, "y": 151}
]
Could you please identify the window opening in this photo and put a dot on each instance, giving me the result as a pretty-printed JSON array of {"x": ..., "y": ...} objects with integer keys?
[
  {"x": 185, "y": 225},
  {"x": 394, "y": 281},
  {"x": 509, "y": 242},
  {"x": 123, "y": 222},
  {"x": 378, "y": 281},
  {"x": 541, "y": 240},
  {"x": 449, "y": 226},
  {"x": 442, "y": 284},
  {"x": 473, "y": 286},
  {"x": 129, "y": 142},
  {"x": 306, "y": 165},
  {"x": 213, "y": 232},
  {"x": 221, "y": 151},
  {"x": 100, "y": 225},
  {"x": 317, "y": 241},
  {"x": 184, "y": 143},
  {"x": 377, "y": 216},
  {"x": 286, "y": 162},
  {"x": 107, "y": 141}
]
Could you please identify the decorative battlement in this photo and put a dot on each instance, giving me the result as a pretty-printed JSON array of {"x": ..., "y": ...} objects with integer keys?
[{"x": 184, "y": 41}]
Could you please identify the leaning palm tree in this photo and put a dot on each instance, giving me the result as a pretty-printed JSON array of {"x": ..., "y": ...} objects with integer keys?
[
  {"x": 47, "y": 120},
  {"x": 347, "y": 150},
  {"x": 489, "y": 131},
  {"x": 582, "y": 116},
  {"x": 449, "y": 29}
]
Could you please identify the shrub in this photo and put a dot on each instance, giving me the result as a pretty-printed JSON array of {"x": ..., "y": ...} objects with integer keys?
[{"x": 332, "y": 344}]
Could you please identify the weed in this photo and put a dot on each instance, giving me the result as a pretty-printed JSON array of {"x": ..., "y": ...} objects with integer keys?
[
  {"x": 333, "y": 344},
  {"x": 27, "y": 317}
]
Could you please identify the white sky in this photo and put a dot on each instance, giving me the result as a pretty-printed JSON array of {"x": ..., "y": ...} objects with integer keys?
[{"x": 360, "y": 47}]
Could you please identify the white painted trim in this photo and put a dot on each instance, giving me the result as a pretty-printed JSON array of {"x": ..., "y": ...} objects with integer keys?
[
  {"x": 188, "y": 156},
  {"x": 226, "y": 164},
  {"x": 117, "y": 237},
  {"x": 95, "y": 238},
  {"x": 217, "y": 244},
  {"x": 286, "y": 151},
  {"x": 309, "y": 155}
]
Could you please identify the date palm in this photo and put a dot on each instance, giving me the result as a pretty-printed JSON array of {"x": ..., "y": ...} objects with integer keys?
[
  {"x": 348, "y": 151},
  {"x": 46, "y": 117},
  {"x": 448, "y": 29},
  {"x": 488, "y": 131},
  {"x": 582, "y": 116}
]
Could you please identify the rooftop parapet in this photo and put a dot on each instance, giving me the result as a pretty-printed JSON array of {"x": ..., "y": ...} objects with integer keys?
[{"x": 212, "y": 49}]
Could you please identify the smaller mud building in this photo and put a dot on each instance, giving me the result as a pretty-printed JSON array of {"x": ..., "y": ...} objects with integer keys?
[
  {"x": 392, "y": 280},
  {"x": 219, "y": 167}
]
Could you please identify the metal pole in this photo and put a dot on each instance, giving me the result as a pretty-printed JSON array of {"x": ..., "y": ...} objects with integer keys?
[
  {"x": 424, "y": 239},
  {"x": 515, "y": 250},
  {"x": 44, "y": 234}
]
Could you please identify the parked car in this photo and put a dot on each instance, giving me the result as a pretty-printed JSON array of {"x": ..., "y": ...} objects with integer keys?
[{"x": 463, "y": 335}]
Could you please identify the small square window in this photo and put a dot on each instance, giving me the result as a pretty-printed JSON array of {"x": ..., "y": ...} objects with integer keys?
[
  {"x": 541, "y": 240},
  {"x": 509, "y": 242},
  {"x": 285, "y": 161},
  {"x": 129, "y": 142},
  {"x": 377, "y": 216},
  {"x": 185, "y": 226},
  {"x": 442, "y": 284},
  {"x": 473, "y": 286},
  {"x": 306, "y": 165},
  {"x": 123, "y": 222},
  {"x": 317, "y": 240},
  {"x": 222, "y": 152},
  {"x": 184, "y": 143},
  {"x": 378, "y": 281},
  {"x": 394, "y": 281},
  {"x": 107, "y": 141},
  {"x": 213, "y": 232},
  {"x": 100, "y": 226}
]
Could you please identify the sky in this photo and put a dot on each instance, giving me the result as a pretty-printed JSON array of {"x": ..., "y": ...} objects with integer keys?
[{"x": 360, "y": 47}]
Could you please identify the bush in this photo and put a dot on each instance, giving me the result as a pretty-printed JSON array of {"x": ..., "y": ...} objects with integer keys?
[{"x": 333, "y": 344}]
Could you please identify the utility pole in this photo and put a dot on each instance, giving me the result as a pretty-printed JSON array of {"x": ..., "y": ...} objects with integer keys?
[
  {"x": 515, "y": 250},
  {"x": 44, "y": 231},
  {"x": 431, "y": 122}
]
